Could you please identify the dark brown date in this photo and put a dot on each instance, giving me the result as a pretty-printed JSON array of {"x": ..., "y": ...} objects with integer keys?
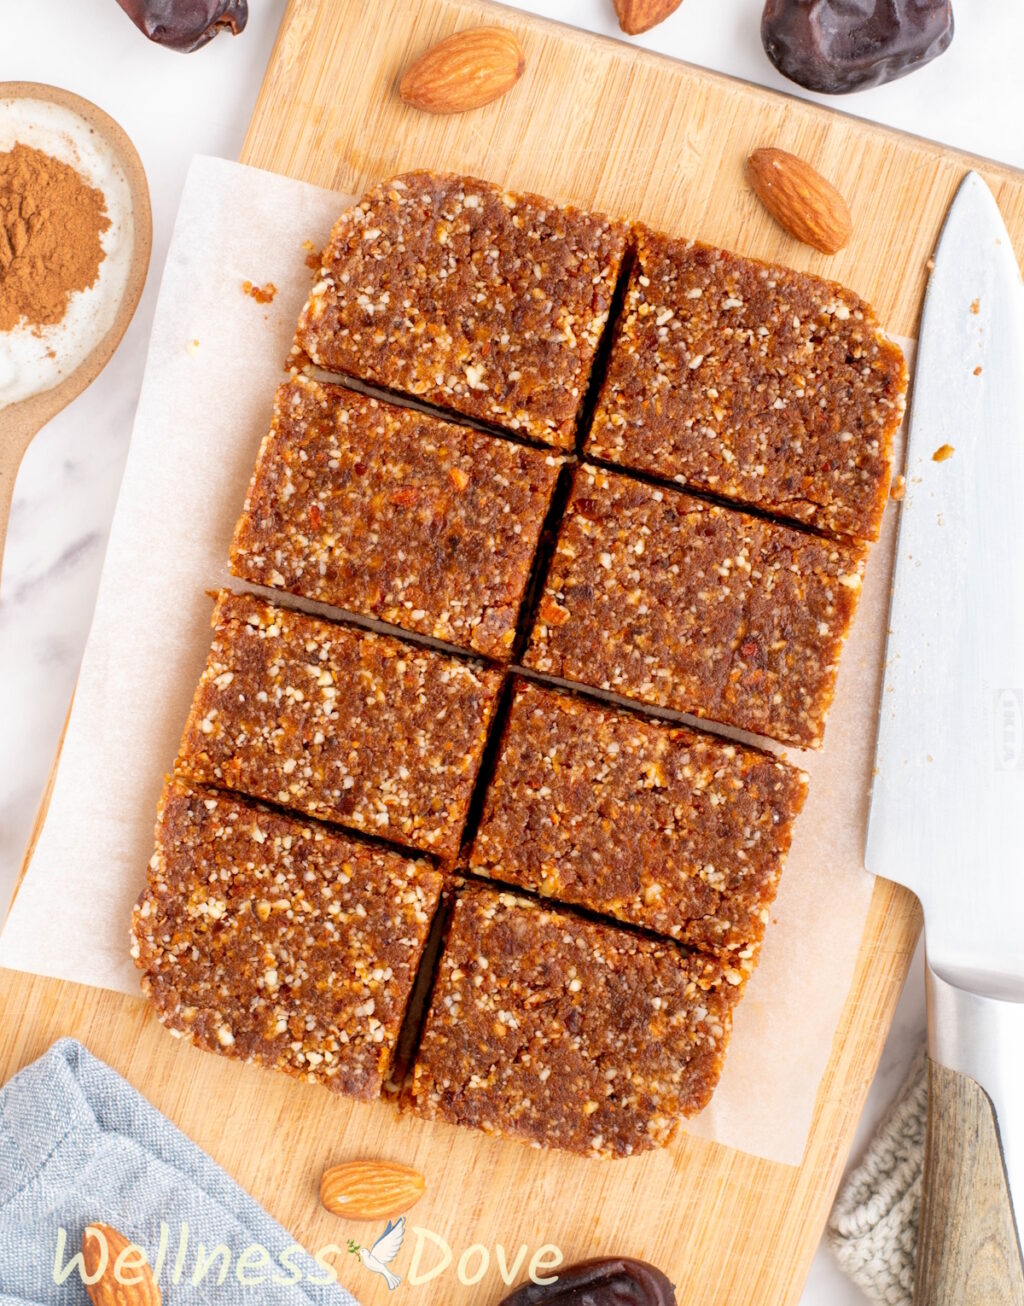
[
  {"x": 609, "y": 1281},
  {"x": 836, "y": 46},
  {"x": 185, "y": 25}
]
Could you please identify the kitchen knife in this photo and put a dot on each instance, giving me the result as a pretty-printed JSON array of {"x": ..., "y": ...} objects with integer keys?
[{"x": 947, "y": 802}]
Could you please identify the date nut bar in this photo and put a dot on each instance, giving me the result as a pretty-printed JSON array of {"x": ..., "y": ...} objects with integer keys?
[
  {"x": 271, "y": 939},
  {"x": 339, "y": 723},
  {"x": 469, "y": 297},
  {"x": 679, "y": 832},
  {"x": 755, "y": 383},
  {"x": 388, "y": 512},
  {"x": 567, "y": 1033},
  {"x": 679, "y": 603}
]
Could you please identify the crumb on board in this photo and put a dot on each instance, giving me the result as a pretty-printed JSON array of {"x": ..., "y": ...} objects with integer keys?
[
  {"x": 975, "y": 306},
  {"x": 977, "y": 370},
  {"x": 192, "y": 347},
  {"x": 261, "y": 294},
  {"x": 943, "y": 453}
]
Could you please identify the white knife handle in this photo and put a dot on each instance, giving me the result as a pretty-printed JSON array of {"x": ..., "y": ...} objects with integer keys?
[{"x": 969, "y": 1250}]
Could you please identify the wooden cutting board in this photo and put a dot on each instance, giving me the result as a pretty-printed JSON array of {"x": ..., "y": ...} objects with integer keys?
[{"x": 603, "y": 124}]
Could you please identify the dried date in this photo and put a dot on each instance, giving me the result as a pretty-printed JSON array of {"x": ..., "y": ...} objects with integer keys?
[
  {"x": 836, "y": 46},
  {"x": 608, "y": 1281},
  {"x": 185, "y": 25}
]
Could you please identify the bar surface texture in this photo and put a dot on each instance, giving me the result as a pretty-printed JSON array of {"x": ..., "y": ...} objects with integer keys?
[
  {"x": 388, "y": 512},
  {"x": 467, "y": 296},
  {"x": 680, "y": 603},
  {"x": 753, "y": 382},
  {"x": 679, "y": 832},
  {"x": 339, "y": 723},
  {"x": 271, "y": 939},
  {"x": 563, "y": 1032}
]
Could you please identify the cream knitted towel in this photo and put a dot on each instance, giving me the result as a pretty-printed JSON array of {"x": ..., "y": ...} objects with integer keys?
[{"x": 873, "y": 1226}]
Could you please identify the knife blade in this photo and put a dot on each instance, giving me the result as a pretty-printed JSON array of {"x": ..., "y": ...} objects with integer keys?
[
  {"x": 947, "y": 804},
  {"x": 947, "y": 801}
]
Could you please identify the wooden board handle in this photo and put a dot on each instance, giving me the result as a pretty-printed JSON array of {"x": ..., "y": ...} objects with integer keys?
[
  {"x": 11, "y": 450},
  {"x": 18, "y": 424},
  {"x": 967, "y": 1251}
]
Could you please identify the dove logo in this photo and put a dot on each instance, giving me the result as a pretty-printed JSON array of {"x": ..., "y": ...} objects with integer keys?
[
  {"x": 1009, "y": 730},
  {"x": 378, "y": 1257}
]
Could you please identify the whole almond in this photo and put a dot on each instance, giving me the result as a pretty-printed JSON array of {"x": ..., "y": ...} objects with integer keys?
[
  {"x": 370, "y": 1190},
  {"x": 139, "y": 1287},
  {"x": 800, "y": 199},
  {"x": 466, "y": 70},
  {"x": 637, "y": 16}
]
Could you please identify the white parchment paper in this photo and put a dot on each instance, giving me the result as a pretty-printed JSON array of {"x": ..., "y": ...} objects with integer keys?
[{"x": 215, "y": 359}]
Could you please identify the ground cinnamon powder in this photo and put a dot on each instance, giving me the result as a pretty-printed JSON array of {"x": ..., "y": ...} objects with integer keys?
[{"x": 51, "y": 221}]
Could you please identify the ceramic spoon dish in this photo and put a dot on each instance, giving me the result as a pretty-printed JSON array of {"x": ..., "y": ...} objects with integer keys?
[{"x": 42, "y": 371}]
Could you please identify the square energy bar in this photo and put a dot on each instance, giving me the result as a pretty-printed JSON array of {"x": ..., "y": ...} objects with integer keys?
[
  {"x": 759, "y": 384},
  {"x": 271, "y": 939},
  {"x": 679, "y": 832},
  {"x": 676, "y": 602},
  {"x": 389, "y": 512},
  {"x": 469, "y": 297},
  {"x": 564, "y": 1032},
  {"x": 339, "y": 723}
]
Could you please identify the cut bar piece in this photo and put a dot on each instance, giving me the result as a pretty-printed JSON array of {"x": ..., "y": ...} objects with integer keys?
[
  {"x": 275, "y": 940},
  {"x": 664, "y": 598},
  {"x": 563, "y": 1032},
  {"x": 756, "y": 383},
  {"x": 386, "y": 511},
  {"x": 339, "y": 723},
  {"x": 480, "y": 301},
  {"x": 676, "y": 831}
]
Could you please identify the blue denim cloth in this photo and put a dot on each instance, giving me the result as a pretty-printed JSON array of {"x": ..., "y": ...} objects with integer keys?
[{"x": 78, "y": 1144}]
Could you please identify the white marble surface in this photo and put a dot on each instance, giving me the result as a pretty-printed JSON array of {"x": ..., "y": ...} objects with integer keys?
[{"x": 174, "y": 106}]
